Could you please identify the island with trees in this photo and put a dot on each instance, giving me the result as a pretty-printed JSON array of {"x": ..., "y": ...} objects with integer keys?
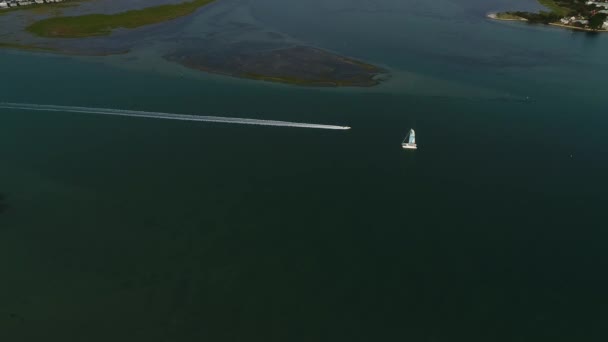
[{"x": 573, "y": 14}]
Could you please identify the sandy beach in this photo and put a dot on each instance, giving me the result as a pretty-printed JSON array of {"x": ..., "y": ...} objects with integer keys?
[{"x": 576, "y": 28}]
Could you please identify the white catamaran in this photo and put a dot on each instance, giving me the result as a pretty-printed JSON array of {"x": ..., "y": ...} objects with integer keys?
[{"x": 410, "y": 141}]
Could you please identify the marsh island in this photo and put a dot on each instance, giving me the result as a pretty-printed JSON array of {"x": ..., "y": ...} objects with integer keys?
[{"x": 102, "y": 27}]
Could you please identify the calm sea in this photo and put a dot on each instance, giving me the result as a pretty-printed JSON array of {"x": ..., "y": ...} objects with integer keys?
[{"x": 128, "y": 229}]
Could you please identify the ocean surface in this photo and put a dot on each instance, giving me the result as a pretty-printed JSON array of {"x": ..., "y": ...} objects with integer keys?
[{"x": 135, "y": 229}]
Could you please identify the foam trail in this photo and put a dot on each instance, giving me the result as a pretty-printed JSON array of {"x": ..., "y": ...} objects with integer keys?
[{"x": 160, "y": 115}]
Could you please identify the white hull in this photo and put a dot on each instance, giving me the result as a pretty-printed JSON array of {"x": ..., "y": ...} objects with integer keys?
[{"x": 409, "y": 143}]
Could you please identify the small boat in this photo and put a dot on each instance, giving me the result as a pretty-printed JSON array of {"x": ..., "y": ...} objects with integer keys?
[{"x": 410, "y": 141}]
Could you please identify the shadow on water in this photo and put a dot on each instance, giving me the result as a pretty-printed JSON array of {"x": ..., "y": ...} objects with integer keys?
[{"x": 591, "y": 38}]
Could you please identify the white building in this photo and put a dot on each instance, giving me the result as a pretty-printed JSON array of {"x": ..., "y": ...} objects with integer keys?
[
  {"x": 598, "y": 4},
  {"x": 3, "y": 5}
]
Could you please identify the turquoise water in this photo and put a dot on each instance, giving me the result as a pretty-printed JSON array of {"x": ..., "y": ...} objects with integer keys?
[{"x": 128, "y": 229}]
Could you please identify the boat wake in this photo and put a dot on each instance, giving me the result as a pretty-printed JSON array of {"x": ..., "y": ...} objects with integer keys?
[{"x": 160, "y": 115}]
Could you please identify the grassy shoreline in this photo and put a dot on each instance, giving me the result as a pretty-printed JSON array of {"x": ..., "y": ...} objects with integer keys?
[
  {"x": 504, "y": 16},
  {"x": 554, "y": 7},
  {"x": 94, "y": 25}
]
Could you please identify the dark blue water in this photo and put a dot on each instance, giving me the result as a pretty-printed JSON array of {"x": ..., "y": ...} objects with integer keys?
[{"x": 126, "y": 229}]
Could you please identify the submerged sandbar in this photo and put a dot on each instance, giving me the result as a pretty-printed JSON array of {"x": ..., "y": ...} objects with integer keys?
[{"x": 300, "y": 65}]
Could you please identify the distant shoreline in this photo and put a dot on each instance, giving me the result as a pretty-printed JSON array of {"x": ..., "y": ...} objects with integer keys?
[
  {"x": 496, "y": 16},
  {"x": 577, "y": 28}
]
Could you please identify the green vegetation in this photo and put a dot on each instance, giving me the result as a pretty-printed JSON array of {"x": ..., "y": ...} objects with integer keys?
[
  {"x": 555, "y": 7},
  {"x": 508, "y": 16},
  {"x": 559, "y": 9},
  {"x": 540, "y": 17},
  {"x": 102, "y": 24},
  {"x": 596, "y": 21}
]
